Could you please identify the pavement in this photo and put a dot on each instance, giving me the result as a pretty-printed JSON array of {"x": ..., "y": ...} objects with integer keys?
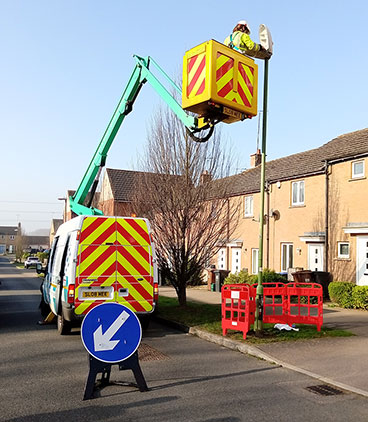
[{"x": 341, "y": 361}]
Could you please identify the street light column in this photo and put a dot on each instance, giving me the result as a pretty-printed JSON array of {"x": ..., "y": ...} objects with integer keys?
[{"x": 258, "y": 321}]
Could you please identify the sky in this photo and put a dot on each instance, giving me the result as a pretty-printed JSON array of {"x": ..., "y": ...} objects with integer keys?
[{"x": 65, "y": 63}]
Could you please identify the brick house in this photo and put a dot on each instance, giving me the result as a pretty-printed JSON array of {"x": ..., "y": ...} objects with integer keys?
[
  {"x": 33, "y": 244},
  {"x": 8, "y": 238},
  {"x": 316, "y": 213},
  {"x": 117, "y": 191}
]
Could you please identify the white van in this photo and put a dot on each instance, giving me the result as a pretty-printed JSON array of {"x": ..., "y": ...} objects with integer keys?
[{"x": 96, "y": 259}]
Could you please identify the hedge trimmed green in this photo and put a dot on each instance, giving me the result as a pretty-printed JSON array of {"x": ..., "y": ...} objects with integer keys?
[
  {"x": 269, "y": 276},
  {"x": 348, "y": 295},
  {"x": 360, "y": 297}
]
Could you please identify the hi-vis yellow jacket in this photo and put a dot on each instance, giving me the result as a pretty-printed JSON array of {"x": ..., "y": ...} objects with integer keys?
[{"x": 240, "y": 41}]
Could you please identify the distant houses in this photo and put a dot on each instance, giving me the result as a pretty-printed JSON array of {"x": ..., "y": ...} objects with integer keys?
[
  {"x": 12, "y": 239},
  {"x": 8, "y": 238}
]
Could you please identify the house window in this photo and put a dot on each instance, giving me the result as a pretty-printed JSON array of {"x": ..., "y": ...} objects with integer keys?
[
  {"x": 297, "y": 193},
  {"x": 248, "y": 206},
  {"x": 255, "y": 261},
  {"x": 221, "y": 259},
  {"x": 343, "y": 249},
  {"x": 357, "y": 169},
  {"x": 11, "y": 237},
  {"x": 286, "y": 256}
]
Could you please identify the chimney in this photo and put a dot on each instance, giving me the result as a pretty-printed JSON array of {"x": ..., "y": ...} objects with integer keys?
[
  {"x": 256, "y": 159},
  {"x": 205, "y": 177}
]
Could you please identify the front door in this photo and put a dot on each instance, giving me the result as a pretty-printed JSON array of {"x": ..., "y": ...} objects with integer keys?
[
  {"x": 362, "y": 261},
  {"x": 235, "y": 260},
  {"x": 315, "y": 257}
]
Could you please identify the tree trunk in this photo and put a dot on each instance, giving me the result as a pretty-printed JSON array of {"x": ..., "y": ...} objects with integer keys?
[{"x": 182, "y": 295}]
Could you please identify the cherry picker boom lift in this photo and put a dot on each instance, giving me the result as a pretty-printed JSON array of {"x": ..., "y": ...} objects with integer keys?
[
  {"x": 219, "y": 84},
  {"x": 141, "y": 74}
]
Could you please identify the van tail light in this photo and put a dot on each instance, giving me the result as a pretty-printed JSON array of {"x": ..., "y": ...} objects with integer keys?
[
  {"x": 155, "y": 292},
  {"x": 78, "y": 235},
  {"x": 71, "y": 293}
]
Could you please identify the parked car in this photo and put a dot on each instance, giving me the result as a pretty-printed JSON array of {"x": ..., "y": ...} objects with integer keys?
[{"x": 31, "y": 261}]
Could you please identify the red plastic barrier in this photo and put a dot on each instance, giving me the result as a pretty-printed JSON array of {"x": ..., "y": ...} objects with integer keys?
[
  {"x": 305, "y": 304},
  {"x": 274, "y": 303},
  {"x": 235, "y": 306},
  {"x": 293, "y": 303},
  {"x": 252, "y": 303}
]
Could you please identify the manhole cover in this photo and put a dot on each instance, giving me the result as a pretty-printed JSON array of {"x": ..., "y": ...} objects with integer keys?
[
  {"x": 324, "y": 390},
  {"x": 146, "y": 353}
]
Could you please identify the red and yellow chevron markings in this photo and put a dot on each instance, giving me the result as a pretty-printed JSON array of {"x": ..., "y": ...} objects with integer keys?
[
  {"x": 196, "y": 75},
  {"x": 242, "y": 92},
  {"x": 95, "y": 257},
  {"x": 134, "y": 263},
  {"x": 97, "y": 230},
  {"x": 132, "y": 232},
  {"x": 116, "y": 253},
  {"x": 140, "y": 298}
]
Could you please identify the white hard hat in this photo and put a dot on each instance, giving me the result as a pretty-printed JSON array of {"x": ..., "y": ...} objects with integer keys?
[{"x": 243, "y": 23}]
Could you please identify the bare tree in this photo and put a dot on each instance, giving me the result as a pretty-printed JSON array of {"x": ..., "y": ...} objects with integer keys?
[
  {"x": 185, "y": 194},
  {"x": 20, "y": 244}
]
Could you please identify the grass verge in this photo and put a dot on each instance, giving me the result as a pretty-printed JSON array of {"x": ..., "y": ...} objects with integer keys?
[{"x": 208, "y": 317}]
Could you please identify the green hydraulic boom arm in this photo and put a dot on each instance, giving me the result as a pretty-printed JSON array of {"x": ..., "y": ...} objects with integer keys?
[{"x": 141, "y": 74}]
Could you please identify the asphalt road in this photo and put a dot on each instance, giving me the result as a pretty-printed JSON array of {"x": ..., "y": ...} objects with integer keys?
[{"x": 43, "y": 374}]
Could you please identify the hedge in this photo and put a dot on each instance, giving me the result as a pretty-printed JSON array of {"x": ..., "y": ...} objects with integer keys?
[
  {"x": 269, "y": 276},
  {"x": 348, "y": 295},
  {"x": 360, "y": 297}
]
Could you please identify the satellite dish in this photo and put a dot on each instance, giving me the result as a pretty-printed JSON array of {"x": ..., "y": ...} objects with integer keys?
[{"x": 276, "y": 215}]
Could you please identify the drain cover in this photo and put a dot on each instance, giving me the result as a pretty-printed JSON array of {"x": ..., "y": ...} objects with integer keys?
[
  {"x": 147, "y": 353},
  {"x": 324, "y": 390}
]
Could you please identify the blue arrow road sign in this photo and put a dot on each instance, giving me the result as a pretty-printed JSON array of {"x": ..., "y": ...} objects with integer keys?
[{"x": 111, "y": 332}]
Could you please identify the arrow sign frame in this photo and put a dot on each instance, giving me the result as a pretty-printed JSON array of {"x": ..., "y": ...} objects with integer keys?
[{"x": 111, "y": 332}]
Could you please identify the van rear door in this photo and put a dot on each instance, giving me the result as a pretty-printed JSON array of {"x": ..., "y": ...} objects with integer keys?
[
  {"x": 96, "y": 270},
  {"x": 134, "y": 277},
  {"x": 114, "y": 264}
]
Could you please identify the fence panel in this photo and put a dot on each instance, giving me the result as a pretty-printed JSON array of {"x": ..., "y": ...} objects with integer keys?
[
  {"x": 235, "y": 299},
  {"x": 305, "y": 304},
  {"x": 274, "y": 303}
]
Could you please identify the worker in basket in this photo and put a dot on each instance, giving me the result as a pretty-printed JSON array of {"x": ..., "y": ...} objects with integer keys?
[{"x": 240, "y": 40}]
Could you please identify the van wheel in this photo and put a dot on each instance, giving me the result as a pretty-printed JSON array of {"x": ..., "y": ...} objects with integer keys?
[{"x": 64, "y": 327}]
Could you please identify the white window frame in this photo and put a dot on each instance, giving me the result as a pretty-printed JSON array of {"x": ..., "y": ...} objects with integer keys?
[
  {"x": 248, "y": 206},
  {"x": 299, "y": 186},
  {"x": 255, "y": 257},
  {"x": 221, "y": 259},
  {"x": 342, "y": 255},
  {"x": 289, "y": 260},
  {"x": 355, "y": 175}
]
